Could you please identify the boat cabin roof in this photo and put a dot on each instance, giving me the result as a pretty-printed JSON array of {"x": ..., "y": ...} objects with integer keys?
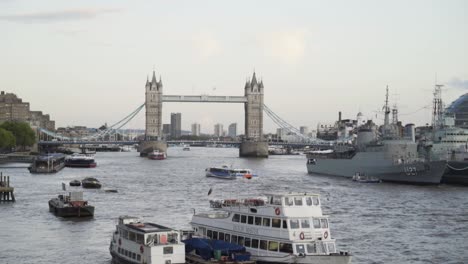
[
  {"x": 148, "y": 227},
  {"x": 291, "y": 194}
]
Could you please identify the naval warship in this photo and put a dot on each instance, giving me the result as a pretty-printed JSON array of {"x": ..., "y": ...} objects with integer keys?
[{"x": 385, "y": 156}]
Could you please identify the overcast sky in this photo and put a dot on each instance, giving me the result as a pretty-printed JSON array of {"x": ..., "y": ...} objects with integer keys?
[{"x": 86, "y": 62}]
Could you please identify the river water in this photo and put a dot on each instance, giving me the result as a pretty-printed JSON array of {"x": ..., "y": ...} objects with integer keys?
[{"x": 377, "y": 223}]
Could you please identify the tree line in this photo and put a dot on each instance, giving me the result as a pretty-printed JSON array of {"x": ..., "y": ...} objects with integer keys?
[{"x": 16, "y": 134}]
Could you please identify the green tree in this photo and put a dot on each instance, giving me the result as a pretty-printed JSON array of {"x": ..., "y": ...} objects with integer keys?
[
  {"x": 22, "y": 132},
  {"x": 7, "y": 140}
]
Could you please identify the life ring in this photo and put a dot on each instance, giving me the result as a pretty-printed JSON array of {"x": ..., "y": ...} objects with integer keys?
[
  {"x": 120, "y": 242},
  {"x": 142, "y": 249},
  {"x": 325, "y": 235},
  {"x": 277, "y": 211},
  {"x": 301, "y": 235}
]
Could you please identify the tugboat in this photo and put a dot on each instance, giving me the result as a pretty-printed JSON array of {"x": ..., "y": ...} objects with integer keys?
[
  {"x": 71, "y": 205},
  {"x": 279, "y": 228},
  {"x": 48, "y": 163},
  {"x": 91, "y": 183},
  {"x": 80, "y": 161},
  {"x": 135, "y": 242},
  {"x": 157, "y": 155}
]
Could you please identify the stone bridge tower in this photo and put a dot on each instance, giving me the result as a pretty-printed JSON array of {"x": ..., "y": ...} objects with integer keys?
[
  {"x": 153, "y": 104},
  {"x": 153, "y": 100},
  {"x": 253, "y": 144}
]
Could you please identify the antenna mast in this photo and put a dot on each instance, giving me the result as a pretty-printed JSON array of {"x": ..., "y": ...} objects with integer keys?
[{"x": 437, "y": 108}]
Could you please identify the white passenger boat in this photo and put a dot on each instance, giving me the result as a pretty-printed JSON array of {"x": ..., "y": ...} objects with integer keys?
[
  {"x": 279, "y": 228},
  {"x": 245, "y": 173},
  {"x": 135, "y": 242},
  {"x": 186, "y": 148},
  {"x": 223, "y": 172}
]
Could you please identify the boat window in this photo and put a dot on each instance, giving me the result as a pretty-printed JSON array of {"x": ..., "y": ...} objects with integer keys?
[
  {"x": 134, "y": 255},
  {"x": 227, "y": 237},
  {"x": 275, "y": 200},
  {"x": 243, "y": 219},
  {"x": 263, "y": 244},
  {"x": 288, "y": 201},
  {"x": 234, "y": 239},
  {"x": 276, "y": 222},
  {"x": 254, "y": 243},
  {"x": 172, "y": 237},
  {"x": 286, "y": 248},
  {"x": 168, "y": 250},
  {"x": 118, "y": 250},
  {"x": 331, "y": 247},
  {"x": 240, "y": 241},
  {"x": 272, "y": 246},
  {"x": 138, "y": 257},
  {"x": 315, "y": 200},
  {"x": 235, "y": 218},
  {"x": 253, "y": 210},
  {"x": 221, "y": 236},
  {"x": 209, "y": 233},
  {"x": 300, "y": 249},
  {"x": 266, "y": 222},
  {"x": 250, "y": 220},
  {"x": 298, "y": 201},
  {"x": 285, "y": 224},
  {"x": 305, "y": 223},
  {"x": 247, "y": 242},
  {"x": 316, "y": 223},
  {"x": 131, "y": 236},
  {"x": 311, "y": 248},
  {"x": 309, "y": 201},
  {"x": 125, "y": 234},
  {"x": 215, "y": 235},
  {"x": 140, "y": 238},
  {"x": 294, "y": 224},
  {"x": 324, "y": 223},
  {"x": 258, "y": 220}
]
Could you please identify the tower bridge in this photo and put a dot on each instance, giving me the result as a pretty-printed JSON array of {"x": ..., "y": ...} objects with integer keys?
[{"x": 251, "y": 146}]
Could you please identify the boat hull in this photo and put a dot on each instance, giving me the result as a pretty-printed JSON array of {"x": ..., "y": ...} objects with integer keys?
[
  {"x": 309, "y": 259},
  {"x": 457, "y": 173},
  {"x": 39, "y": 170},
  {"x": 225, "y": 177},
  {"x": 88, "y": 185},
  {"x": 375, "y": 165},
  {"x": 116, "y": 259},
  {"x": 69, "y": 211},
  {"x": 81, "y": 165}
]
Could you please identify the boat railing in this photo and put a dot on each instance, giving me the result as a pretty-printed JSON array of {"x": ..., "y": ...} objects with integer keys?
[{"x": 237, "y": 203}]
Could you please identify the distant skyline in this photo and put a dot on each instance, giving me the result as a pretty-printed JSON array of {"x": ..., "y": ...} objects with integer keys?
[{"x": 86, "y": 63}]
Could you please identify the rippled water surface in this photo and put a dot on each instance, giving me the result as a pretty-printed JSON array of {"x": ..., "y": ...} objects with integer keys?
[{"x": 378, "y": 223}]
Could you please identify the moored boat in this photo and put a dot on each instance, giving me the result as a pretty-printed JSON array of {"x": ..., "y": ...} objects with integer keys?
[
  {"x": 91, "y": 183},
  {"x": 244, "y": 173},
  {"x": 71, "y": 205},
  {"x": 278, "y": 228},
  {"x": 186, "y": 148},
  {"x": 157, "y": 155},
  {"x": 48, "y": 163},
  {"x": 135, "y": 242},
  {"x": 80, "y": 161}
]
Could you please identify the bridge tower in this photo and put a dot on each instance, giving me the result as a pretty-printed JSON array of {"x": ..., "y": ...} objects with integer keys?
[
  {"x": 253, "y": 144},
  {"x": 153, "y": 104}
]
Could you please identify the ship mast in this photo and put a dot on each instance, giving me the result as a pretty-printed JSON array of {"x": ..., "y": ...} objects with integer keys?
[
  {"x": 437, "y": 108},
  {"x": 387, "y": 115}
]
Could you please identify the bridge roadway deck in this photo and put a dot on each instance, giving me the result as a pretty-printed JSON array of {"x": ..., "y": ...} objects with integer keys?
[{"x": 204, "y": 99}]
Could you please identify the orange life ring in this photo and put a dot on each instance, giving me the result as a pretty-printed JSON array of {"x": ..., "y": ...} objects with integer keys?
[
  {"x": 142, "y": 249},
  {"x": 325, "y": 235},
  {"x": 277, "y": 211},
  {"x": 301, "y": 235}
]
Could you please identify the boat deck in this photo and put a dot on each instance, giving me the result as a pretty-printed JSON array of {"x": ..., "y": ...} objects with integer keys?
[{"x": 148, "y": 227}]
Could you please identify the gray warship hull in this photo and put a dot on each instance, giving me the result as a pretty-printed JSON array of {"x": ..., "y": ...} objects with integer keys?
[{"x": 375, "y": 164}]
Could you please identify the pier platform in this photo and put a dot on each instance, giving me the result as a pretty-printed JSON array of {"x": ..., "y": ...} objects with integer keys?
[{"x": 6, "y": 191}]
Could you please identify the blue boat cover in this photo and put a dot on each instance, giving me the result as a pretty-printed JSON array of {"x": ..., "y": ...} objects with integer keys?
[{"x": 205, "y": 247}]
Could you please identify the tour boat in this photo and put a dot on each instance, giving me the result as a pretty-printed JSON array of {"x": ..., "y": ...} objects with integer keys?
[
  {"x": 80, "y": 161},
  {"x": 223, "y": 172},
  {"x": 135, "y": 242},
  {"x": 71, "y": 205},
  {"x": 279, "y": 228},
  {"x": 157, "y": 155}
]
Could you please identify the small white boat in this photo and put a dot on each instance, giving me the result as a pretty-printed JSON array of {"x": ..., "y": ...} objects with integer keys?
[
  {"x": 136, "y": 242},
  {"x": 244, "y": 173},
  {"x": 359, "y": 177},
  {"x": 223, "y": 172},
  {"x": 186, "y": 148},
  {"x": 157, "y": 155}
]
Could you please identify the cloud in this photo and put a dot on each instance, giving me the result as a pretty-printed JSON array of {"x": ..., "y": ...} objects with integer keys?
[
  {"x": 458, "y": 83},
  {"x": 58, "y": 16},
  {"x": 288, "y": 46}
]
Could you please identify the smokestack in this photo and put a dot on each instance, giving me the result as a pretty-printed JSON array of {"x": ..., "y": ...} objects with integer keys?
[{"x": 339, "y": 116}]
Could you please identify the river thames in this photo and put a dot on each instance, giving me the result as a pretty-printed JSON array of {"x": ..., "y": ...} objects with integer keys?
[{"x": 377, "y": 223}]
